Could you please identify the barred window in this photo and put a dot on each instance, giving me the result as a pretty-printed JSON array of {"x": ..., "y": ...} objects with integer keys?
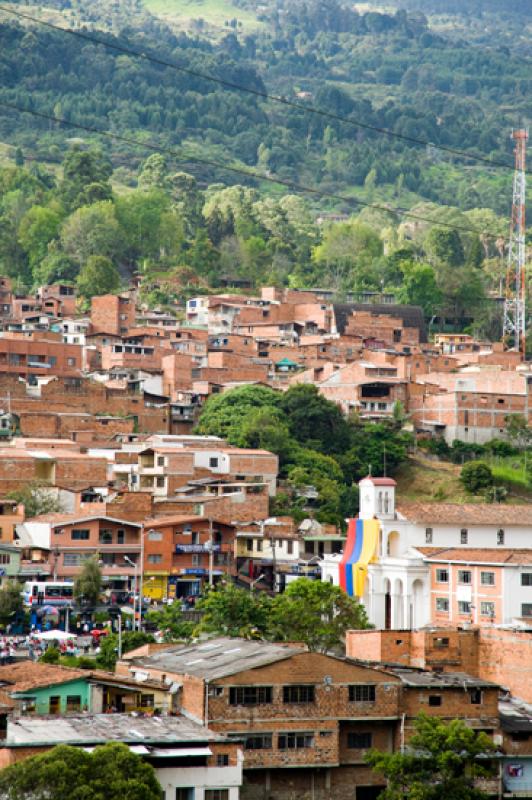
[
  {"x": 298, "y": 694},
  {"x": 362, "y": 694},
  {"x": 249, "y": 695}
]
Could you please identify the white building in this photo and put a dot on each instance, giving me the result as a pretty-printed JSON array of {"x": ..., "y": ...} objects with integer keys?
[{"x": 403, "y": 587}]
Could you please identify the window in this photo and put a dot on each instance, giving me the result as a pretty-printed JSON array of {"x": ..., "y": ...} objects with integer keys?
[
  {"x": 29, "y": 705},
  {"x": 290, "y": 547},
  {"x": 73, "y": 702},
  {"x": 213, "y": 462},
  {"x": 222, "y": 760},
  {"x": 249, "y": 545},
  {"x": 155, "y": 558},
  {"x": 5, "y": 559},
  {"x": 526, "y": 609},
  {"x": 475, "y": 695},
  {"x": 487, "y": 609},
  {"x": 259, "y": 545},
  {"x": 261, "y": 741},
  {"x": 73, "y": 559},
  {"x": 105, "y": 537},
  {"x": 249, "y": 695},
  {"x": 464, "y": 607},
  {"x": 298, "y": 694},
  {"x": 500, "y": 536},
  {"x": 463, "y": 536},
  {"x": 487, "y": 578},
  {"x": 78, "y": 535},
  {"x": 71, "y": 362},
  {"x": 160, "y": 461},
  {"x": 196, "y": 560},
  {"x": 359, "y": 741},
  {"x": 526, "y": 579},
  {"x": 362, "y": 694},
  {"x": 442, "y": 604},
  {"x": 160, "y": 481},
  {"x": 295, "y": 741},
  {"x": 216, "y": 794},
  {"x": 428, "y": 535},
  {"x": 184, "y": 793},
  {"x": 464, "y": 576},
  {"x": 441, "y": 642},
  {"x": 147, "y": 700},
  {"x": 442, "y": 576},
  {"x": 434, "y": 700}
]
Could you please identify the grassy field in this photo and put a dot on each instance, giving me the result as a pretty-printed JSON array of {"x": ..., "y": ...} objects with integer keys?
[
  {"x": 424, "y": 480},
  {"x": 183, "y": 13}
]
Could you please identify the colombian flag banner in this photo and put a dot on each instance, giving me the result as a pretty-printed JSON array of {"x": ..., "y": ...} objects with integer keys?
[{"x": 360, "y": 550}]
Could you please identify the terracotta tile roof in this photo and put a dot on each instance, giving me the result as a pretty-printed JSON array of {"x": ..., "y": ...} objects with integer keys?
[
  {"x": 27, "y": 675},
  {"x": 477, "y": 555},
  {"x": 467, "y": 514}
]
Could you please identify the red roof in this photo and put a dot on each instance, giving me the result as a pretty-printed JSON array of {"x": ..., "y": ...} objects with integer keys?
[{"x": 380, "y": 481}]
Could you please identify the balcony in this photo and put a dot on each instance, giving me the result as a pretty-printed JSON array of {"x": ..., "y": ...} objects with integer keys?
[{"x": 197, "y": 548}]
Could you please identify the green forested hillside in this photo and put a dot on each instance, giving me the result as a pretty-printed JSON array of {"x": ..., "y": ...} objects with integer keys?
[
  {"x": 390, "y": 71},
  {"x": 79, "y": 207}
]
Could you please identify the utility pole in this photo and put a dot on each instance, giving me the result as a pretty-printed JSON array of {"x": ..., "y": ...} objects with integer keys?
[
  {"x": 211, "y": 554},
  {"x": 514, "y": 325}
]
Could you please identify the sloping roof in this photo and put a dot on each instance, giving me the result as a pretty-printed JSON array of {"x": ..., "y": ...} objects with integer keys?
[
  {"x": 24, "y": 676},
  {"x": 412, "y": 316},
  {"x": 464, "y": 514},
  {"x": 477, "y": 555},
  {"x": 218, "y": 658}
]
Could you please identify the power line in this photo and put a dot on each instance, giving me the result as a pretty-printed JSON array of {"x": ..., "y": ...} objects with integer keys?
[
  {"x": 258, "y": 93},
  {"x": 247, "y": 173}
]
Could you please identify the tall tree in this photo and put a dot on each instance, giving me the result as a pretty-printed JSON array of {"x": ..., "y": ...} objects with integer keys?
[
  {"x": 88, "y": 584},
  {"x": 442, "y": 761},
  {"x": 230, "y": 611},
  {"x": 86, "y": 176},
  {"x": 98, "y": 276},
  {"x": 92, "y": 231},
  {"x": 315, "y": 613},
  {"x": 313, "y": 420},
  {"x": 10, "y": 602}
]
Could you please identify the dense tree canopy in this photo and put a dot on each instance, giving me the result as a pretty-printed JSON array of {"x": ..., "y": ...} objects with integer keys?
[
  {"x": 110, "y": 771},
  {"x": 312, "y": 612}
]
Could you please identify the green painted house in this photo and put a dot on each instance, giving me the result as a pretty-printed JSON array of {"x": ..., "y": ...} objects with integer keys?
[
  {"x": 36, "y": 688},
  {"x": 59, "y": 698}
]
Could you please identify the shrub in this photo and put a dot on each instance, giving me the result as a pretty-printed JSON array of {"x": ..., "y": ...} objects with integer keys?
[{"x": 476, "y": 476}]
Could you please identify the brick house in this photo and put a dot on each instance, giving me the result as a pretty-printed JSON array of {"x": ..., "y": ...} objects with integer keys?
[
  {"x": 307, "y": 719},
  {"x": 71, "y": 538},
  {"x": 180, "y": 552}
]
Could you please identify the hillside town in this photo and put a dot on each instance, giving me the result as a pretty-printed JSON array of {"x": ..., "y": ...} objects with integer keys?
[
  {"x": 104, "y": 462},
  {"x": 265, "y": 427}
]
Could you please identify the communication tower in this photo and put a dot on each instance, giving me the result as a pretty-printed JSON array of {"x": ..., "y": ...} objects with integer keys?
[{"x": 514, "y": 326}]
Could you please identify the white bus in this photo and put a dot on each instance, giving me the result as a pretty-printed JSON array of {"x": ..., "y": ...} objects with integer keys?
[{"x": 48, "y": 593}]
